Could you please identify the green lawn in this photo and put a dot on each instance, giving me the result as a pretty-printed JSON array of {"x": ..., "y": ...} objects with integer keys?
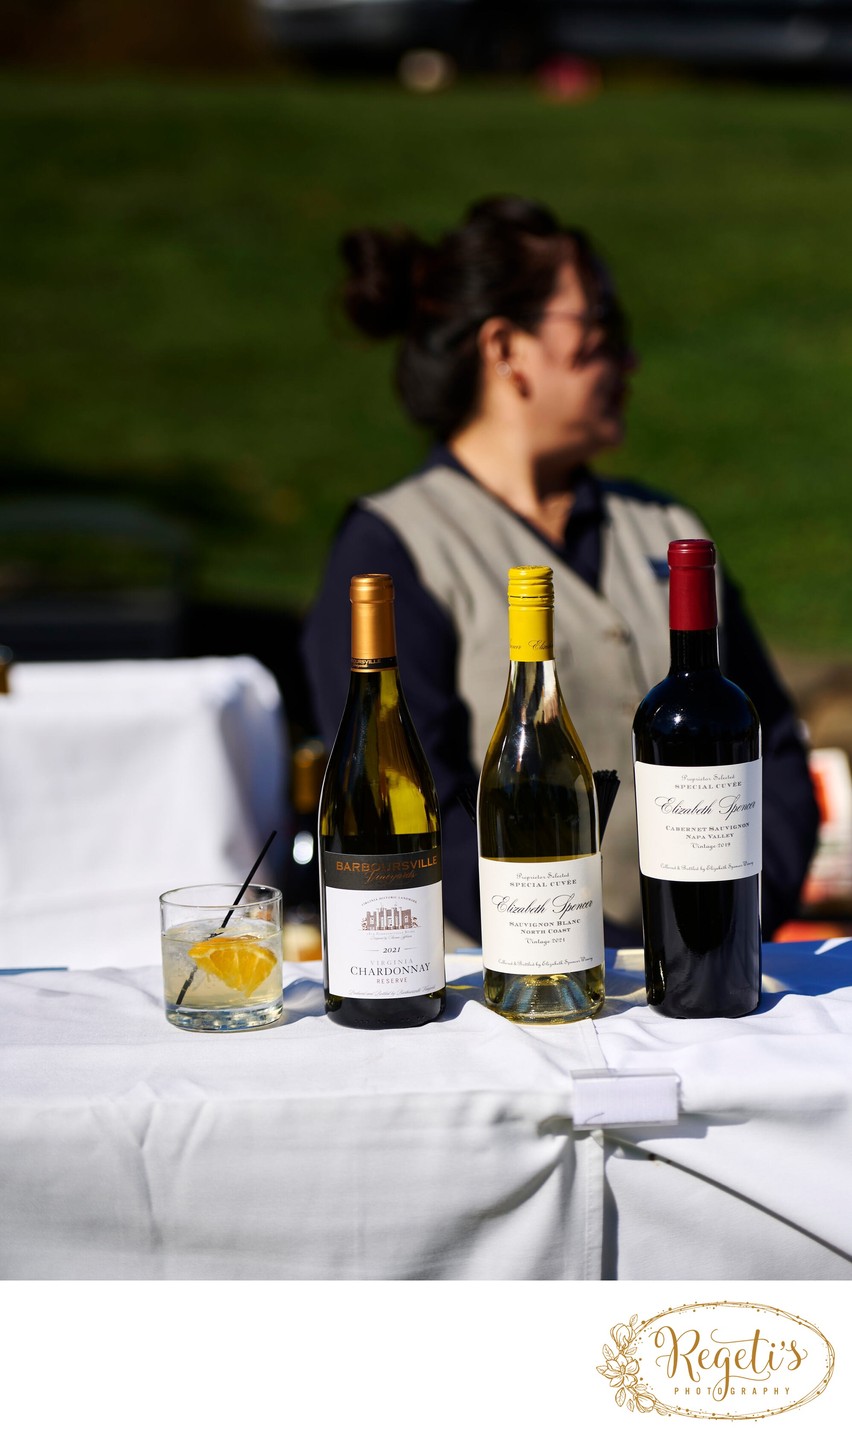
[{"x": 169, "y": 329}]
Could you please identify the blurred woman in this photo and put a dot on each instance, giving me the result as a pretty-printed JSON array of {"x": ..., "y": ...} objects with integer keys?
[{"x": 515, "y": 356}]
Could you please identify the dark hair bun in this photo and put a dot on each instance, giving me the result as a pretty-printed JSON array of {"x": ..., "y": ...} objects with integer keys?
[
  {"x": 503, "y": 259},
  {"x": 378, "y": 290}
]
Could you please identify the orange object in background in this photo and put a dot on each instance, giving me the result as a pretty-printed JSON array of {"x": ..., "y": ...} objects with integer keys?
[
  {"x": 827, "y": 893},
  {"x": 302, "y": 943},
  {"x": 801, "y": 931}
]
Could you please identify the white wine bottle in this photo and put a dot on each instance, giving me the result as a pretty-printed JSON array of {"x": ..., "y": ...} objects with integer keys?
[
  {"x": 380, "y": 841},
  {"x": 539, "y": 852}
]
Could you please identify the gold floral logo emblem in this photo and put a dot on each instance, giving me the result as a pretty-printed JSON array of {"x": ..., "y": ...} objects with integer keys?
[
  {"x": 717, "y": 1360},
  {"x": 622, "y": 1370}
]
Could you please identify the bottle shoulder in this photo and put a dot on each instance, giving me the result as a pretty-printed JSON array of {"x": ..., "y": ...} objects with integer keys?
[
  {"x": 369, "y": 717},
  {"x": 701, "y": 692},
  {"x": 531, "y": 735},
  {"x": 696, "y": 704},
  {"x": 518, "y": 752},
  {"x": 378, "y": 781}
]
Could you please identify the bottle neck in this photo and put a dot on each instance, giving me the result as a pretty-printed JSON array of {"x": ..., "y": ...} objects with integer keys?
[
  {"x": 530, "y": 634},
  {"x": 533, "y": 689},
  {"x": 377, "y": 686},
  {"x": 375, "y": 693},
  {"x": 533, "y": 685},
  {"x": 693, "y": 618},
  {"x": 373, "y": 637},
  {"x": 693, "y": 649}
]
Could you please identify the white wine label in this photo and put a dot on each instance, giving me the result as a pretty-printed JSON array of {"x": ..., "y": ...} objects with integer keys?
[
  {"x": 384, "y": 924},
  {"x": 541, "y": 918},
  {"x": 699, "y": 824}
]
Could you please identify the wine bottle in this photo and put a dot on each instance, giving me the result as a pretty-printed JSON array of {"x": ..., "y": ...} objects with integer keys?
[
  {"x": 380, "y": 841},
  {"x": 539, "y": 853},
  {"x": 696, "y": 750},
  {"x": 300, "y": 884}
]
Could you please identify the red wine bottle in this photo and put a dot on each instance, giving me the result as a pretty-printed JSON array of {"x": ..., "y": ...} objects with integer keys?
[{"x": 696, "y": 750}]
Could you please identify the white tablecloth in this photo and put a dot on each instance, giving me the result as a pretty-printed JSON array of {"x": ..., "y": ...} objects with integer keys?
[
  {"x": 119, "y": 780},
  {"x": 754, "y": 1181},
  {"x": 129, "y": 1149}
]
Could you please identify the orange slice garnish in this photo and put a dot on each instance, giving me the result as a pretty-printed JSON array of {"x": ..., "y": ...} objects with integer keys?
[{"x": 239, "y": 961}]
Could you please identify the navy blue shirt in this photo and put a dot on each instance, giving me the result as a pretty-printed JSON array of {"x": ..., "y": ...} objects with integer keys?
[{"x": 428, "y": 651}]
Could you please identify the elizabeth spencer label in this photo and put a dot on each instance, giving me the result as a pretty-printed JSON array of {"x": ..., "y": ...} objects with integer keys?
[
  {"x": 699, "y": 824},
  {"x": 384, "y": 924},
  {"x": 541, "y": 918}
]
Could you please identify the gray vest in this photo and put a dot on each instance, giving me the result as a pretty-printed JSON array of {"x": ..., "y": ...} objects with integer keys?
[{"x": 610, "y": 647}]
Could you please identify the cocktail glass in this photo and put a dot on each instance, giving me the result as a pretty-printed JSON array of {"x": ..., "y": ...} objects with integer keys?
[{"x": 221, "y": 959}]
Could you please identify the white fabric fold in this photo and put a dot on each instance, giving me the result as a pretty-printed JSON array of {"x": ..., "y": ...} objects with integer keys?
[
  {"x": 766, "y": 1100},
  {"x": 129, "y": 1148},
  {"x": 119, "y": 780}
]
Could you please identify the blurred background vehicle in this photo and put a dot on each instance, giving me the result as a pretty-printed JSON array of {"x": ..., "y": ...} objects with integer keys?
[
  {"x": 783, "y": 35},
  {"x": 374, "y": 30}
]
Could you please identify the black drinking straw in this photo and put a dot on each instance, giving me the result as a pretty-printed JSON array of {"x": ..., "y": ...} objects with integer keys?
[{"x": 230, "y": 914}]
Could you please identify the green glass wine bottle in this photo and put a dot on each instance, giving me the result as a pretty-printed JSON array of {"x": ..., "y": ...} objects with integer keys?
[
  {"x": 539, "y": 851},
  {"x": 380, "y": 841}
]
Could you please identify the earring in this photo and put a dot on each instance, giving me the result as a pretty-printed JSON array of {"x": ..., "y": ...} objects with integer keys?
[{"x": 503, "y": 368}]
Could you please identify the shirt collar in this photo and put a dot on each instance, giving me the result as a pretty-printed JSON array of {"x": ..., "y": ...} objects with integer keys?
[{"x": 588, "y": 503}]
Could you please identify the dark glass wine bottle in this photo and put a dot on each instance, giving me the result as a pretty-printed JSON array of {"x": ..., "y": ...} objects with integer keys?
[
  {"x": 539, "y": 852},
  {"x": 380, "y": 841},
  {"x": 300, "y": 884},
  {"x": 696, "y": 747}
]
